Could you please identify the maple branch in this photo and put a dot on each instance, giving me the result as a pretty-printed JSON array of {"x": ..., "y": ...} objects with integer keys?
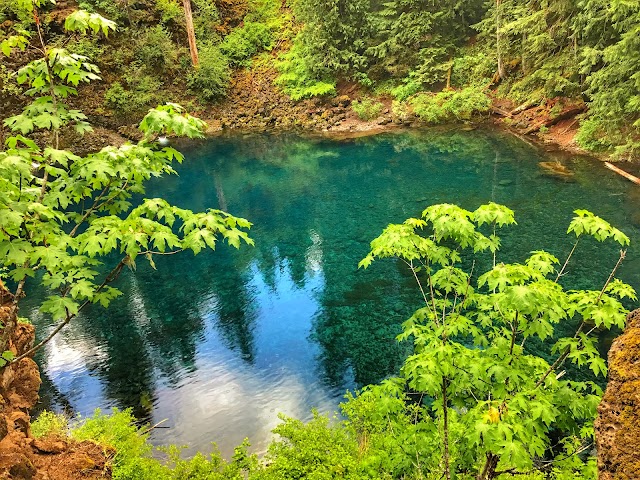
[
  {"x": 561, "y": 359},
  {"x": 95, "y": 205}
]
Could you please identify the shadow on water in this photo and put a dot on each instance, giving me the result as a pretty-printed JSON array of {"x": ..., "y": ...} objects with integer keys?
[{"x": 220, "y": 343}]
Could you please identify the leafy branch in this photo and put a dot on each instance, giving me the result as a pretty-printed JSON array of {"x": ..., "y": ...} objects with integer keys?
[
  {"x": 466, "y": 339},
  {"x": 44, "y": 223}
]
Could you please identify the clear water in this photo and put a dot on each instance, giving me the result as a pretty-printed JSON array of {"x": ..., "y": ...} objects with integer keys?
[{"x": 220, "y": 343}]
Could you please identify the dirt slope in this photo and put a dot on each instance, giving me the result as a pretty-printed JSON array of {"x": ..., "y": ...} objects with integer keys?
[{"x": 21, "y": 456}]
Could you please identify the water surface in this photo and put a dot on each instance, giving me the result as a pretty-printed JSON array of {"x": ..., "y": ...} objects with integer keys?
[{"x": 220, "y": 343}]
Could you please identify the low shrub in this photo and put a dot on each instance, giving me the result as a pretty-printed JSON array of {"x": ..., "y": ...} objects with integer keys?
[
  {"x": 405, "y": 90},
  {"x": 603, "y": 135},
  {"x": 135, "y": 459},
  {"x": 367, "y": 108},
  {"x": 211, "y": 79},
  {"x": 155, "y": 50},
  {"x": 592, "y": 135},
  {"x": 243, "y": 43},
  {"x": 169, "y": 10},
  {"x": 139, "y": 92},
  {"x": 315, "y": 450},
  {"x": 297, "y": 79},
  {"x": 49, "y": 423},
  {"x": 450, "y": 105},
  {"x": 87, "y": 46}
]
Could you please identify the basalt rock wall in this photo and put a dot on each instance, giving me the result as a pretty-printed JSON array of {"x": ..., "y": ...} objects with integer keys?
[
  {"x": 618, "y": 423},
  {"x": 19, "y": 384}
]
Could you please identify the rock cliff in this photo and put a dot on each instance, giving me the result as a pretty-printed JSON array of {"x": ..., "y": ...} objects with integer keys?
[{"x": 618, "y": 423}]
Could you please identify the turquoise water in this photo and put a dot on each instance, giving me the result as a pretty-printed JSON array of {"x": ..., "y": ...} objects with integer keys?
[{"x": 220, "y": 343}]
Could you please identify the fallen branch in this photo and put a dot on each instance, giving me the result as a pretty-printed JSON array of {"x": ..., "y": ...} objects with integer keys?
[
  {"x": 499, "y": 111},
  {"x": 572, "y": 112},
  {"x": 619, "y": 171},
  {"x": 157, "y": 425},
  {"x": 523, "y": 107}
]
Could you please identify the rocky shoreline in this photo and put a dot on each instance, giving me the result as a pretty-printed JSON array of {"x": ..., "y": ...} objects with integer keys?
[{"x": 253, "y": 105}]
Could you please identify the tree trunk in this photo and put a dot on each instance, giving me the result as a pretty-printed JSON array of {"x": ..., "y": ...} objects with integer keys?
[
  {"x": 193, "y": 48},
  {"x": 445, "y": 415},
  {"x": 501, "y": 71},
  {"x": 572, "y": 112},
  {"x": 489, "y": 470},
  {"x": 524, "y": 43}
]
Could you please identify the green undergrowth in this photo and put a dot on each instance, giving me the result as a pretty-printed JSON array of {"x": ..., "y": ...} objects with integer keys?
[
  {"x": 297, "y": 77},
  {"x": 367, "y": 108},
  {"x": 450, "y": 105},
  {"x": 49, "y": 423},
  {"x": 321, "y": 449}
]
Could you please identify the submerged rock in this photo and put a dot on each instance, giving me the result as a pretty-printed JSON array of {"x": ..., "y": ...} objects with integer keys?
[
  {"x": 556, "y": 169},
  {"x": 618, "y": 422}
]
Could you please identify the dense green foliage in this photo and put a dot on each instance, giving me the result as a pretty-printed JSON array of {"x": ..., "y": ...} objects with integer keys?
[
  {"x": 64, "y": 216},
  {"x": 367, "y": 108},
  {"x": 296, "y": 77},
  {"x": 450, "y": 104},
  {"x": 493, "y": 406},
  {"x": 211, "y": 78},
  {"x": 49, "y": 423},
  {"x": 471, "y": 401},
  {"x": 527, "y": 51}
]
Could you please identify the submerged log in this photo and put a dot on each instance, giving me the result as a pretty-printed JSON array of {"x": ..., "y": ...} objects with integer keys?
[
  {"x": 556, "y": 168},
  {"x": 619, "y": 171}
]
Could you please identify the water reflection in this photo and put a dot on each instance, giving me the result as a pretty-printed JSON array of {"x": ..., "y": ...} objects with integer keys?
[
  {"x": 222, "y": 342},
  {"x": 266, "y": 366}
]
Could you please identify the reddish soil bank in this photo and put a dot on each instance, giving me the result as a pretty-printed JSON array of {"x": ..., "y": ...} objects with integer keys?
[{"x": 21, "y": 456}]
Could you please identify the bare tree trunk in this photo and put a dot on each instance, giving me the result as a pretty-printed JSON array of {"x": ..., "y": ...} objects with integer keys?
[
  {"x": 501, "y": 71},
  {"x": 489, "y": 470},
  {"x": 524, "y": 43},
  {"x": 193, "y": 48},
  {"x": 445, "y": 415}
]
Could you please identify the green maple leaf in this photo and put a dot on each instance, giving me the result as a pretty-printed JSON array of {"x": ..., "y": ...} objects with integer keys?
[
  {"x": 15, "y": 252},
  {"x": 59, "y": 306},
  {"x": 82, "y": 289},
  {"x": 20, "y": 123},
  {"x": 92, "y": 245},
  {"x": 164, "y": 238}
]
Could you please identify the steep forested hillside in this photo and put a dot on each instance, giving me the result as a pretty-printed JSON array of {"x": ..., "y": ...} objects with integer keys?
[
  {"x": 555, "y": 56},
  {"x": 526, "y": 51}
]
